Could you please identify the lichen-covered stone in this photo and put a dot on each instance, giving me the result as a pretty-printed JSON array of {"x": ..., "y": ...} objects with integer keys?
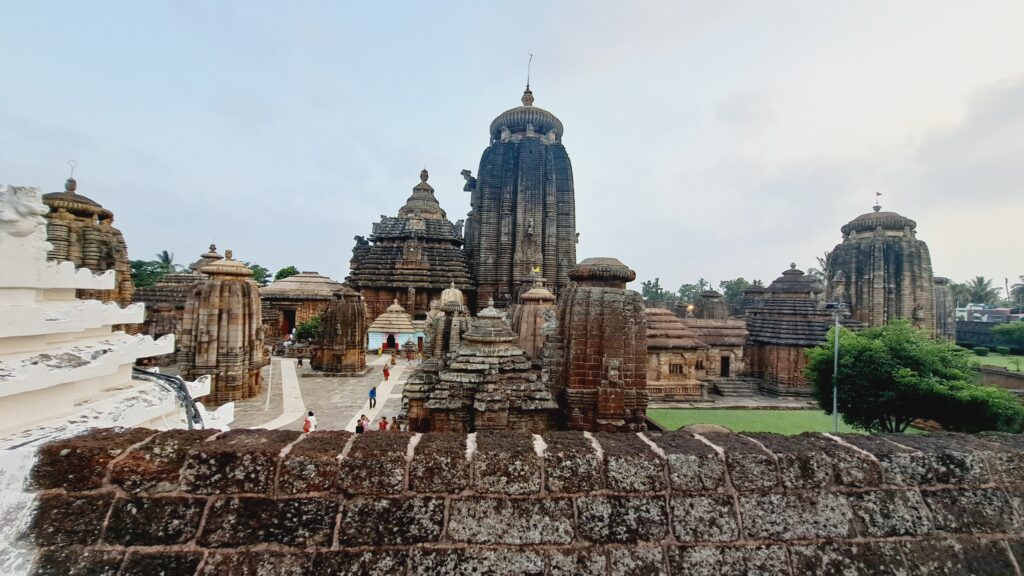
[
  {"x": 236, "y": 462},
  {"x": 78, "y": 561},
  {"x": 312, "y": 464},
  {"x": 164, "y": 563},
  {"x": 855, "y": 558},
  {"x": 751, "y": 468},
  {"x": 263, "y": 563},
  {"x": 370, "y": 563},
  {"x": 632, "y": 466},
  {"x": 511, "y": 521},
  {"x": 247, "y": 521},
  {"x": 476, "y": 562},
  {"x": 692, "y": 464},
  {"x": 900, "y": 465},
  {"x": 636, "y": 561},
  {"x": 571, "y": 465},
  {"x": 803, "y": 461},
  {"x": 505, "y": 463},
  {"x": 889, "y": 513},
  {"x": 795, "y": 516},
  {"x": 966, "y": 510},
  {"x": 946, "y": 462},
  {"x": 704, "y": 519},
  {"x": 571, "y": 562},
  {"x": 154, "y": 521},
  {"x": 439, "y": 464},
  {"x": 605, "y": 519},
  {"x": 375, "y": 521},
  {"x": 155, "y": 466},
  {"x": 728, "y": 561},
  {"x": 65, "y": 519},
  {"x": 387, "y": 454},
  {"x": 80, "y": 463}
]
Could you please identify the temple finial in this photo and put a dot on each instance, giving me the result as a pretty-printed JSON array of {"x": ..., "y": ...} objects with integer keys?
[
  {"x": 70, "y": 185},
  {"x": 877, "y": 206},
  {"x": 527, "y": 94},
  {"x": 229, "y": 254},
  {"x": 424, "y": 175}
]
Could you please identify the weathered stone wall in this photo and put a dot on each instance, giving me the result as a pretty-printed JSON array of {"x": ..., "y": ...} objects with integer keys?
[
  {"x": 277, "y": 502},
  {"x": 1001, "y": 377},
  {"x": 971, "y": 333}
]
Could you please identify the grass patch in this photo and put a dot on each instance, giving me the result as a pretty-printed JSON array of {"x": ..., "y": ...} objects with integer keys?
[
  {"x": 1000, "y": 360},
  {"x": 778, "y": 421}
]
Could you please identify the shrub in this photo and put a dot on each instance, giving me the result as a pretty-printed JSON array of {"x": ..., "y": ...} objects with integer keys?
[
  {"x": 1004, "y": 350},
  {"x": 981, "y": 350},
  {"x": 308, "y": 330}
]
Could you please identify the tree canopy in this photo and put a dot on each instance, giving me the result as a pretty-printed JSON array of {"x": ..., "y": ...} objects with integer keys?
[
  {"x": 260, "y": 275},
  {"x": 894, "y": 374},
  {"x": 1011, "y": 334},
  {"x": 732, "y": 293},
  {"x": 981, "y": 290},
  {"x": 147, "y": 272},
  {"x": 652, "y": 290},
  {"x": 286, "y": 272}
]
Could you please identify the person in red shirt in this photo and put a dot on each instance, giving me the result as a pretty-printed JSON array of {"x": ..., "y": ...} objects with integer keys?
[
  {"x": 383, "y": 425},
  {"x": 386, "y": 373}
]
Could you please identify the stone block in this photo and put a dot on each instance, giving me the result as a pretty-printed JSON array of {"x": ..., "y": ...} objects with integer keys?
[
  {"x": 948, "y": 460},
  {"x": 155, "y": 521},
  {"x": 369, "y": 521},
  {"x": 476, "y": 562},
  {"x": 251, "y": 520},
  {"x": 692, "y": 464},
  {"x": 77, "y": 561},
  {"x": 262, "y": 563},
  {"x": 1005, "y": 454},
  {"x": 155, "y": 466},
  {"x": 575, "y": 561},
  {"x": 236, "y": 462},
  {"x": 889, "y": 513},
  {"x": 847, "y": 558},
  {"x": 80, "y": 463},
  {"x": 795, "y": 516},
  {"x": 636, "y": 561},
  {"x": 954, "y": 557},
  {"x": 728, "y": 561},
  {"x": 368, "y": 563},
  {"x": 631, "y": 464},
  {"x": 571, "y": 465},
  {"x": 439, "y": 464},
  {"x": 483, "y": 520},
  {"x": 965, "y": 510},
  {"x": 900, "y": 465},
  {"x": 163, "y": 563},
  {"x": 65, "y": 519},
  {"x": 704, "y": 519},
  {"x": 622, "y": 519},
  {"x": 505, "y": 463},
  {"x": 803, "y": 462},
  {"x": 312, "y": 465},
  {"x": 750, "y": 467},
  {"x": 376, "y": 463}
]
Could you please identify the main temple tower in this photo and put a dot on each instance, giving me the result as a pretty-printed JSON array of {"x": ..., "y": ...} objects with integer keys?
[{"x": 523, "y": 209}]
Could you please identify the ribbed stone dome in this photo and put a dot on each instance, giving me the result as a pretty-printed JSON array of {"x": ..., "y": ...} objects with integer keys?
[
  {"x": 877, "y": 219},
  {"x": 75, "y": 203},
  {"x": 606, "y": 269},
  {"x": 517, "y": 118},
  {"x": 794, "y": 281},
  {"x": 303, "y": 286},
  {"x": 226, "y": 267},
  {"x": 422, "y": 203}
]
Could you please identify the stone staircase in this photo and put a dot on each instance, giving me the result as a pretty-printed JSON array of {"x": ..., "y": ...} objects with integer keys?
[{"x": 736, "y": 386}]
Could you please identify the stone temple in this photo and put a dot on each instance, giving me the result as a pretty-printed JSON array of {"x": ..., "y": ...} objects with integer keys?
[
  {"x": 410, "y": 258},
  {"x": 883, "y": 272},
  {"x": 522, "y": 206}
]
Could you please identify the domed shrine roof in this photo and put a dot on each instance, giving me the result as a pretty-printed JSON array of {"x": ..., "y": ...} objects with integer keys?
[
  {"x": 878, "y": 219},
  {"x": 666, "y": 331},
  {"x": 794, "y": 281},
  {"x": 603, "y": 269},
  {"x": 422, "y": 203},
  {"x": 394, "y": 320},
  {"x": 489, "y": 326},
  {"x": 75, "y": 203},
  {"x": 302, "y": 286},
  {"x": 226, "y": 267},
  {"x": 207, "y": 257},
  {"x": 538, "y": 293},
  {"x": 517, "y": 119}
]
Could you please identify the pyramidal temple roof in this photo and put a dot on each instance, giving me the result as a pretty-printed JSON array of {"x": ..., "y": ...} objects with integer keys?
[
  {"x": 302, "y": 286},
  {"x": 394, "y": 320}
]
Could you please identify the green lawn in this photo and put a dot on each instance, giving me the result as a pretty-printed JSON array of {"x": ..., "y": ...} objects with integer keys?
[
  {"x": 1000, "y": 360},
  {"x": 779, "y": 421}
]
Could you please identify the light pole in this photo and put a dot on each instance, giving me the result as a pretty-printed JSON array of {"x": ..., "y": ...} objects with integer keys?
[{"x": 838, "y": 310}]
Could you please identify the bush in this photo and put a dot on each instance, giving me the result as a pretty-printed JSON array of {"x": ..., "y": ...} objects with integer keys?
[
  {"x": 1004, "y": 350},
  {"x": 981, "y": 350},
  {"x": 308, "y": 330}
]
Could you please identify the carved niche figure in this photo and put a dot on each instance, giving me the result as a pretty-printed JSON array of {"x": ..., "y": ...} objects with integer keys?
[
  {"x": 529, "y": 226},
  {"x": 470, "y": 181},
  {"x": 361, "y": 241}
]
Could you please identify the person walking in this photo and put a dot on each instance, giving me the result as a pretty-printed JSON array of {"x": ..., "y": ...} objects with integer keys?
[
  {"x": 383, "y": 425},
  {"x": 373, "y": 396},
  {"x": 310, "y": 424},
  {"x": 386, "y": 373}
]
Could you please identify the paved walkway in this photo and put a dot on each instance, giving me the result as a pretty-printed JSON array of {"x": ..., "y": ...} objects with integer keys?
[{"x": 740, "y": 402}]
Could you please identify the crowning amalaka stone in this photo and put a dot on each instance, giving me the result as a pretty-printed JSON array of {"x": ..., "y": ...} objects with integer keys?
[
  {"x": 289, "y": 302},
  {"x": 165, "y": 304},
  {"x": 535, "y": 309},
  {"x": 883, "y": 272},
  {"x": 342, "y": 345},
  {"x": 81, "y": 231},
  {"x": 488, "y": 384},
  {"x": 391, "y": 329},
  {"x": 222, "y": 332},
  {"x": 411, "y": 257},
  {"x": 597, "y": 362},
  {"x": 789, "y": 319},
  {"x": 523, "y": 210}
]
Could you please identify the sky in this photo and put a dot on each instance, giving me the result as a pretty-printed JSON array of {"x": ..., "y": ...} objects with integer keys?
[{"x": 708, "y": 139}]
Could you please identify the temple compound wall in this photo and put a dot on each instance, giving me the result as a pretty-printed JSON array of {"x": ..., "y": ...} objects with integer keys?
[{"x": 276, "y": 502}]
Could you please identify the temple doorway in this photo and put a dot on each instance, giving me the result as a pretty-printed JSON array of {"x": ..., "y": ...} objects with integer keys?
[
  {"x": 390, "y": 344},
  {"x": 725, "y": 366},
  {"x": 419, "y": 343},
  {"x": 287, "y": 321}
]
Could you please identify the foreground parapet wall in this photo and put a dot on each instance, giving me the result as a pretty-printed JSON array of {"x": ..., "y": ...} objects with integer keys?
[{"x": 197, "y": 502}]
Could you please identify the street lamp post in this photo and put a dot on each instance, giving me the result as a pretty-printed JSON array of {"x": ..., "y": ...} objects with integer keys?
[{"x": 838, "y": 310}]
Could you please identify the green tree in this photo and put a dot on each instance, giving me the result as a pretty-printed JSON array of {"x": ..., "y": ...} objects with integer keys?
[
  {"x": 732, "y": 293},
  {"x": 1011, "y": 334},
  {"x": 147, "y": 272},
  {"x": 894, "y": 374},
  {"x": 166, "y": 259},
  {"x": 286, "y": 272},
  {"x": 260, "y": 274},
  {"x": 982, "y": 291},
  {"x": 961, "y": 293},
  {"x": 652, "y": 290},
  {"x": 308, "y": 330},
  {"x": 688, "y": 293}
]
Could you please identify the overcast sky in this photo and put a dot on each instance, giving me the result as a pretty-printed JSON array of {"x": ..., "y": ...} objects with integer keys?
[{"x": 708, "y": 139}]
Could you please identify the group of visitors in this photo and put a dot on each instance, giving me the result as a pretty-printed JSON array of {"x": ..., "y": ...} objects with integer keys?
[{"x": 365, "y": 425}]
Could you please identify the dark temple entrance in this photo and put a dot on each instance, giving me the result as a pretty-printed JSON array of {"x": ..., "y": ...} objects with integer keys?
[{"x": 725, "y": 366}]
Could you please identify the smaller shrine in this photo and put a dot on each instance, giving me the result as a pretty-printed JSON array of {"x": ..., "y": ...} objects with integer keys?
[
  {"x": 535, "y": 310},
  {"x": 676, "y": 358},
  {"x": 341, "y": 348},
  {"x": 222, "y": 332},
  {"x": 389, "y": 330},
  {"x": 291, "y": 301},
  {"x": 488, "y": 384}
]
